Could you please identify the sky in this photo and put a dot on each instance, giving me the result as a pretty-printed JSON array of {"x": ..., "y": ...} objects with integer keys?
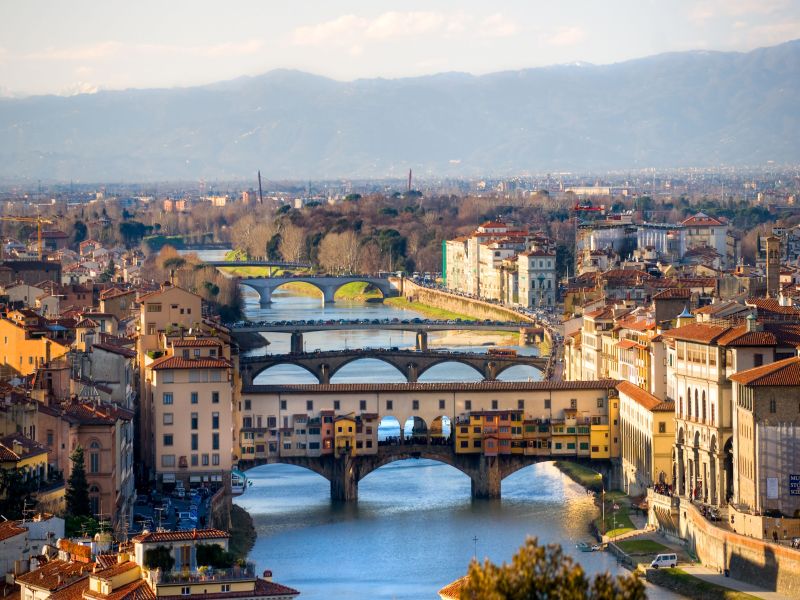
[{"x": 58, "y": 47}]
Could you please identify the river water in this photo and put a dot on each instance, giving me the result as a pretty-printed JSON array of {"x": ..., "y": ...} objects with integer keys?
[{"x": 413, "y": 529}]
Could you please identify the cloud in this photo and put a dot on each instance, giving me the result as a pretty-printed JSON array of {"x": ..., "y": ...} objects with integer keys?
[
  {"x": 107, "y": 50},
  {"x": 566, "y": 36},
  {"x": 711, "y": 9},
  {"x": 497, "y": 25},
  {"x": 395, "y": 25},
  {"x": 777, "y": 33},
  {"x": 79, "y": 87}
]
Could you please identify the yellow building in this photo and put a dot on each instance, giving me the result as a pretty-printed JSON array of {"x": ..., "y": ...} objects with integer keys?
[
  {"x": 26, "y": 343},
  {"x": 29, "y": 460},
  {"x": 648, "y": 434},
  {"x": 345, "y": 435}
]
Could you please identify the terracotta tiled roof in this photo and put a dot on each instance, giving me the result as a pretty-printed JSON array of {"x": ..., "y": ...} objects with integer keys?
[
  {"x": 56, "y": 574},
  {"x": 114, "y": 293},
  {"x": 135, "y": 590},
  {"x": 9, "y": 529},
  {"x": 626, "y": 344},
  {"x": 772, "y": 305},
  {"x": 781, "y": 373},
  {"x": 263, "y": 589},
  {"x": 643, "y": 397},
  {"x": 100, "y": 414},
  {"x": 104, "y": 561},
  {"x": 671, "y": 293},
  {"x": 701, "y": 220},
  {"x": 184, "y": 343},
  {"x": 115, "y": 570},
  {"x": 126, "y": 352},
  {"x": 176, "y": 362},
  {"x": 25, "y": 447},
  {"x": 85, "y": 324},
  {"x": 177, "y": 536},
  {"x": 703, "y": 333},
  {"x": 452, "y": 591},
  {"x": 739, "y": 336},
  {"x": 480, "y": 386},
  {"x": 74, "y": 591}
]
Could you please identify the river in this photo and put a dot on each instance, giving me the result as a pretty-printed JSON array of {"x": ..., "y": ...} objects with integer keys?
[{"x": 413, "y": 529}]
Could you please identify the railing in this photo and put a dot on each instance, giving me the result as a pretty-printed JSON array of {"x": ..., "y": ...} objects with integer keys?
[{"x": 236, "y": 573}]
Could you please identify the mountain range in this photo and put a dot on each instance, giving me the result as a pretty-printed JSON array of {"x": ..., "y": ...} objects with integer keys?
[{"x": 686, "y": 109}]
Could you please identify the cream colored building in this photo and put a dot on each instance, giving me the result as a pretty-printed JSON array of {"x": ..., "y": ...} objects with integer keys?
[
  {"x": 192, "y": 412},
  {"x": 766, "y": 438},
  {"x": 647, "y": 431}
]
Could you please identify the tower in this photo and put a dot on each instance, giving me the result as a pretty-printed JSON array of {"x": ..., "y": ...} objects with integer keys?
[{"x": 773, "y": 266}]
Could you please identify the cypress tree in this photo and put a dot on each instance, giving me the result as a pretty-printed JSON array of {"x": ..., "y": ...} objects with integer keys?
[{"x": 77, "y": 493}]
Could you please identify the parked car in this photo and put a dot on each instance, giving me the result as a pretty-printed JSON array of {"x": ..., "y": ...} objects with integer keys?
[{"x": 179, "y": 493}]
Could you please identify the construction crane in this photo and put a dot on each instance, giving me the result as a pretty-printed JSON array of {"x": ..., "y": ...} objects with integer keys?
[{"x": 38, "y": 221}]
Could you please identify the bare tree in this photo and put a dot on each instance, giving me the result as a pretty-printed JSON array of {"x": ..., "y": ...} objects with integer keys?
[
  {"x": 369, "y": 260},
  {"x": 293, "y": 243}
]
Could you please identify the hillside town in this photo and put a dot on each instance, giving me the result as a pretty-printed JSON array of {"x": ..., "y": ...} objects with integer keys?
[{"x": 676, "y": 361}]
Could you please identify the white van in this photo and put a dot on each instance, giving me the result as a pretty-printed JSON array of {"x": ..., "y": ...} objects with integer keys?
[{"x": 665, "y": 560}]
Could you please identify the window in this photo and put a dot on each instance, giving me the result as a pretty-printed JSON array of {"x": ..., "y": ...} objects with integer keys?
[
  {"x": 185, "y": 353},
  {"x": 167, "y": 397},
  {"x": 186, "y": 590},
  {"x": 521, "y": 404},
  {"x": 215, "y": 459},
  {"x": 662, "y": 427},
  {"x": 558, "y": 445},
  {"x": 168, "y": 439},
  {"x": 388, "y": 405},
  {"x": 573, "y": 403},
  {"x": 600, "y": 403},
  {"x": 547, "y": 404},
  {"x": 336, "y": 405},
  {"x": 758, "y": 360},
  {"x": 194, "y": 420},
  {"x": 441, "y": 404},
  {"x": 362, "y": 405},
  {"x": 773, "y": 405},
  {"x": 197, "y": 352},
  {"x": 226, "y": 587},
  {"x": 494, "y": 404},
  {"x": 167, "y": 460},
  {"x": 194, "y": 441},
  {"x": 468, "y": 404},
  {"x": 215, "y": 441},
  {"x": 167, "y": 419},
  {"x": 215, "y": 420},
  {"x": 309, "y": 405},
  {"x": 205, "y": 460},
  {"x": 152, "y": 307},
  {"x": 283, "y": 404},
  {"x": 50, "y": 437},
  {"x": 94, "y": 462},
  {"x": 194, "y": 397},
  {"x": 415, "y": 405},
  {"x": 194, "y": 460},
  {"x": 214, "y": 397}
]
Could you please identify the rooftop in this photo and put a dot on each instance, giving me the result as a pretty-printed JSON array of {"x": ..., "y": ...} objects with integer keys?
[
  {"x": 177, "y": 536},
  {"x": 778, "y": 374}
]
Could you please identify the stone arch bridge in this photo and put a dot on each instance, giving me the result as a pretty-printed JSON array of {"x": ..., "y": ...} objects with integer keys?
[
  {"x": 323, "y": 365},
  {"x": 485, "y": 472},
  {"x": 328, "y": 285}
]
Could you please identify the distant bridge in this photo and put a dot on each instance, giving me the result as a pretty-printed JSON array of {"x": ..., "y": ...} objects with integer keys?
[
  {"x": 409, "y": 325},
  {"x": 324, "y": 365},
  {"x": 258, "y": 263},
  {"x": 326, "y": 284}
]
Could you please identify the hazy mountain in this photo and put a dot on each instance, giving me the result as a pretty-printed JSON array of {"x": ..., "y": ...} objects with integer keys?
[{"x": 678, "y": 109}]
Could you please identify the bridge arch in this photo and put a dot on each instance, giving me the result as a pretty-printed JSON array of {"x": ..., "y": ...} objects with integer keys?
[
  {"x": 253, "y": 372},
  {"x": 350, "y": 360},
  {"x": 500, "y": 369},
  {"x": 449, "y": 359},
  {"x": 380, "y": 288}
]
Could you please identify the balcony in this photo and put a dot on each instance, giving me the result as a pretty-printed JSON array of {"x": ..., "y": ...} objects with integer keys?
[{"x": 205, "y": 574}]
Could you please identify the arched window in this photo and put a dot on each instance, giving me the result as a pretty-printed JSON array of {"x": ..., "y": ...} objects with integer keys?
[
  {"x": 696, "y": 405},
  {"x": 704, "y": 405},
  {"x": 689, "y": 402}
]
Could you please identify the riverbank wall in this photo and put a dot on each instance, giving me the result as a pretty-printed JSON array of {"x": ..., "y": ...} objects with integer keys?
[
  {"x": 477, "y": 309},
  {"x": 769, "y": 565},
  {"x": 219, "y": 510}
]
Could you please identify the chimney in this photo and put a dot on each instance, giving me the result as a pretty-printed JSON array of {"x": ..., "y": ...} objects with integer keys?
[
  {"x": 268, "y": 575},
  {"x": 752, "y": 324}
]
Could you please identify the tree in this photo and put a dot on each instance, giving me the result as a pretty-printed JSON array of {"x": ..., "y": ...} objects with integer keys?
[
  {"x": 293, "y": 243},
  {"x": 17, "y": 492},
  {"x": 159, "y": 557},
  {"x": 545, "y": 572},
  {"x": 77, "y": 493},
  {"x": 79, "y": 232}
]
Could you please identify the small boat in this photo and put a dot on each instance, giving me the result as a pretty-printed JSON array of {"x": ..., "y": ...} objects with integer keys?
[{"x": 584, "y": 547}]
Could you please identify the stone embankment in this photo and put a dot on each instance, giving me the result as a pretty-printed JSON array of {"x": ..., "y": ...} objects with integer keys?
[
  {"x": 769, "y": 565},
  {"x": 478, "y": 309}
]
